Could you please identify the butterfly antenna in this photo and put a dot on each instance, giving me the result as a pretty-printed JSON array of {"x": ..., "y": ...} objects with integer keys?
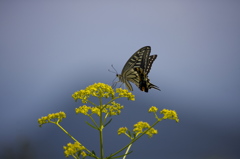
[
  {"x": 114, "y": 70},
  {"x": 114, "y": 83},
  {"x": 111, "y": 71}
]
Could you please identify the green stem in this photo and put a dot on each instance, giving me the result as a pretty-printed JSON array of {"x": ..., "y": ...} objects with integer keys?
[
  {"x": 135, "y": 139},
  {"x": 66, "y": 132},
  {"x": 101, "y": 130},
  {"x": 72, "y": 137},
  {"x": 92, "y": 103},
  {"x": 111, "y": 100}
]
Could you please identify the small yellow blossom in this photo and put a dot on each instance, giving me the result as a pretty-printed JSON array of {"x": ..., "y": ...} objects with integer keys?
[
  {"x": 114, "y": 109},
  {"x": 151, "y": 131},
  {"x": 125, "y": 93},
  {"x": 122, "y": 130},
  {"x": 170, "y": 114},
  {"x": 83, "y": 153},
  {"x": 51, "y": 118},
  {"x": 97, "y": 90},
  {"x": 153, "y": 109},
  {"x": 95, "y": 110},
  {"x": 73, "y": 149},
  {"x": 83, "y": 109},
  {"x": 138, "y": 128}
]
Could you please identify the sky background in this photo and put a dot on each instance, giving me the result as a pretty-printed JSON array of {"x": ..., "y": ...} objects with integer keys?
[{"x": 50, "y": 49}]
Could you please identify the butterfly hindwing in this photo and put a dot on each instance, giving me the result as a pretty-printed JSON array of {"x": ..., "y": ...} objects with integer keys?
[
  {"x": 143, "y": 82},
  {"x": 150, "y": 62}
]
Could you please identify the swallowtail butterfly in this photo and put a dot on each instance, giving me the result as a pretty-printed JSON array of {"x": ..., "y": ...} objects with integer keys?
[{"x": 137, "y": 68}]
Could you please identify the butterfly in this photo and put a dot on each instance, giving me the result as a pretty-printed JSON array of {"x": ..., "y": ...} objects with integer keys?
[{"x": 136, "y": 70}]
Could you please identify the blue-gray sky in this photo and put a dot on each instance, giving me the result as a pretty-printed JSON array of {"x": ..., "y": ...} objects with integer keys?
[{"x": 49, "y": 49}]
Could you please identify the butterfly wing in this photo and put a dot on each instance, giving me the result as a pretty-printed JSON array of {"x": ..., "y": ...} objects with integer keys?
[
  {"x": 148, "y": 66},
  {"x": 137, "y": 68},
  {"x": 128, "y": 73},
  {"x": 142, "y": 81},
  {"x": 137, "y": 58}
]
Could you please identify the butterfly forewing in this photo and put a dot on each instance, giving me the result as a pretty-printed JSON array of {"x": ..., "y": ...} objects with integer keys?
[
  {"x": 144, "y": 57},
  {"x": 136, "y": 59}
]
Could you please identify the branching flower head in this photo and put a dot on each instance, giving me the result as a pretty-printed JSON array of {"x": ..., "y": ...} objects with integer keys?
[
  {"x": 140, "y": 127},
  {"x": 51, "y": 118},
  {"x": 151, "y": 132},
  {"x": 73, "y": 149},
  {"x": 113, "y": 109},
  {"x": 125, "y": 93},
  {"x": 98, "y": 90},
  {"x": 83, "y": 109},
  {"x": 153, "y": 109},
  {"x": 101, "y": 90},
  {"x": 122, "y": 130},
  {"x": 170, "y": 114}
]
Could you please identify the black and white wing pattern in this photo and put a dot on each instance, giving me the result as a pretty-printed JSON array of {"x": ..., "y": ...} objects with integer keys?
[
  {"x": 128, "y": 73},
  {"x": 136, "y": 70},
  {"x": 148, "y": 66},
  {"x": 143, "y": 82}
]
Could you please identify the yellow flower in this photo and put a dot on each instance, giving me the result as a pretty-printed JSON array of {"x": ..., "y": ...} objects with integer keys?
[
  {"x": 114, "y": 109},
  {"x": 83, "y": 109},
  {"x": 140, "y": 127},
  {"x": 125, "y": 93},
  {"x": 153, "y": 109},
  {"x": 51, "y": 118},
  {"x": 73, "y": 149},
  {"x": 122, "y": 130},
  {"x": 95, "y": 110},
  {"x": 98, "y": 90},
  {"x": 151, "y": 131},
  {"x": 83, "y": 153},
  {"x": 170, "y": 114}
]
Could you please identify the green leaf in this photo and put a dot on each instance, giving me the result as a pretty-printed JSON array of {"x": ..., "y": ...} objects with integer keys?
[
  {"x": 91, "y": 125},
  {"x": 108, "y": 122}
]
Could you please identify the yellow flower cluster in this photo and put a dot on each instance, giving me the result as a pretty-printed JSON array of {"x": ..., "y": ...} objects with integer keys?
[
  {"x": 73, "y": 149},
  {"x": 169, "y": 114},
  {"x": 51, "y": 118},
  {"x": 101, "y": 90},
  {"x": 153, "y": 109},
  {"x": 98, "y": 90},
  {"x": 140, "y": 127},
  {"x": 83, "y": 109},
  {"x": 122, "y": 130},
  {"x": 151, "y": 132},
  {"x": 113, "y": 109},
  {"x": 95, "y": 110},
  {"x": 125, "y": 93}
]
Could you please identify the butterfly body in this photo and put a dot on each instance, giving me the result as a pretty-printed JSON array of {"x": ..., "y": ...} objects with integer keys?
[{"x": 137, "y": 68}]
